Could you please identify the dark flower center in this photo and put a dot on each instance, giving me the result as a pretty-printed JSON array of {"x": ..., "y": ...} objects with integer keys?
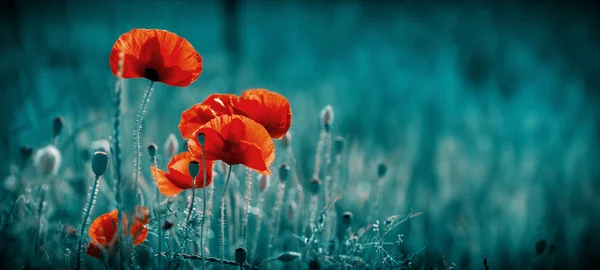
[{"x": 151, "y": 74}]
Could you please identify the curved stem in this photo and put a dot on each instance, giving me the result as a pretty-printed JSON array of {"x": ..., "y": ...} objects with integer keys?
[
  {"x": 223, "y": 219},
  {"x": 203, "y": 206},
  {"x": 85, "y": 218}
]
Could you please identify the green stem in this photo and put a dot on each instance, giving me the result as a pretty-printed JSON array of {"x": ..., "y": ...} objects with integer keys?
[
  {"x": 223, "y": 219},
  {"x": 203, "y": 206},
  {"x": 85, "y": 218}
]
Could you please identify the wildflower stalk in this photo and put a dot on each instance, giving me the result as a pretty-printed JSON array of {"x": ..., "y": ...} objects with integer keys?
[
  {"x": 320, "y": 145},
  {"x": 276, "y": 216},
  {"x": 223, "y": 218},
  {"x": 89, "y": 207},
  {"x": 116, "y": 134},
  {"x": 261, "y": 200},
  {"x": 314, "y": 203},
  {"x": 300, "y": 201},
  {"x": 205, "y": 175},
  {"x": 247, "y": 206},
  {"x": 327, "y": 182},
  {"x": 211, "y": 192},
  {"x": 159, "y": 222}
]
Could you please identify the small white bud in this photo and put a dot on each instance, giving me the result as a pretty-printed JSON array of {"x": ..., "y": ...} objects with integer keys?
[
  {"x": 327, "y": 116},
  {"x": 47, "y": 160},
  {"x": 171, "y": 146},
  {"x": 263, "y": 182}
]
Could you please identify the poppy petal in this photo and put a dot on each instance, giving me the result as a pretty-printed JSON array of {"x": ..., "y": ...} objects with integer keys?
[
  {"x": 171, "y": 58},
  {"x": 194, "y": 118},
  {"x": 270, "y": 109},
  {"x": 252, "y": 157},
  {"x": 164, "y": 184},
  {"x": 179, "y": 173},
  {"x": 104, "y": 227},
  {"x": 222, "y": 103},
  {"x": 94, "y": 250},
  {"x": 138, "y": 232}
]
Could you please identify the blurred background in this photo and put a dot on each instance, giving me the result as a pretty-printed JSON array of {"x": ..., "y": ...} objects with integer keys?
[{"x": 486, "y": 113}]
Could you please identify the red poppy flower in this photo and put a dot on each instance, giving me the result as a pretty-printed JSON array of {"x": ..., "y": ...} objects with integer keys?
[
  {"x": 236, "y": 139},
  {"x": 222, "y": 103},
  {"x": 193, "y": 118},
  {"x": 270, "y": 109},
  {"x": 178, "y": 178},
  {"x": 103, "y": 231},
  {"x": 156, "y": 55}
]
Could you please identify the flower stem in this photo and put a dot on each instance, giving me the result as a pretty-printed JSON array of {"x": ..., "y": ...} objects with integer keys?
[
  {"x": 223, "y": 219},
  {"x": 247, "y": 206},
  {"x": 158, "y": 224},
  {"x": 261, "y": 199},
  {"x": 203, "y": 207},
  {"x": 85, "y": 218}
]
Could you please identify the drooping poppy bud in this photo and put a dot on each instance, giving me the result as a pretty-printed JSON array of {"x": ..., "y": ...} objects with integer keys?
[
  {"x": 47, "y": 160},
  {"x": 240, "y": 255},
  {"x": 57, "y": 126},
  {"x": 171, "y": 145},
  {"x": 152, "y": 150}
]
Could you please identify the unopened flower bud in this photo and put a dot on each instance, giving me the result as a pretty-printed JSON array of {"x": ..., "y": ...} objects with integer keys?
[
  {"x": 284, "y": 172},
  {"x": 347, "y": 218},
  {"x": 327, "y": 117},
  {"x": 57, "y": 126},
  {"x": 167, "y": 225},
  {"x": 315, "y": 185},
  {"x": 288, "y": 256},
  {"x": 263, "y": 182},
  {"x": 381, "y": 170},
  {"x": 240, "y": 255},
  {"x": 286, "y": 140},
  {"x": 194, "y": 168},
  {"x": 47, "y": 160},
  {"x": 152, "y": 150},
  {"x": 99, "y": 163},
  {"x": 171, "y": 145},
  {"x": 291, "y": 211},
  {"x": 201, "y": 138}
]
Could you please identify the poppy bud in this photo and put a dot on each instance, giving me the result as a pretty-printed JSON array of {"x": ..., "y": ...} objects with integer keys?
[
  {"x": 47, "y": 160},
  {"x": 152, "y": 150},
  {"x": 338, "y": 145},
  {"x": 381, "y": 170},
  {"x": 315, "y": 185},
  {"x": 240, "y": 255},
  {"x": 347, "y": 218},
  {"x": 263, "y": 182},
  {"x": 99, "y": 163},
  {"x": 25, "y": 152},
  {"x": 171, "y": 145},
  {"x": 194, "y": 168},
  {"x": 57, "y": 126},
  {"x": 100, "y": 145},
  {"x": 201, "y": 138},
  {"x": 288, "y": 256},
  {"x": 284, "y": 172},
  {"x": 314, "y": 265},
  {"x": 327, "y": 117},
  {"x": 286, "y": 140},
  {"x": 167, "y": 225}
]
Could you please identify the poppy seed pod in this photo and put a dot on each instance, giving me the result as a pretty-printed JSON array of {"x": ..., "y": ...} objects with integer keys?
[
  {"x": 240, "y": 255},
  {"x": 152, "y": 149},
  {"x": 338, "y": 145},
  {"x": 171, "y": 145},
  {"x": 347, "y": 218},
  {"x": 57, "y": 126},
  {"x": 263, "y": 182},
  {"x": 313, "y": 264},
  {"x": 327, "y": 117},
  {"x": 194, "y": 168},
  {"x": 286, "y": 140},
  {"x": 284, "y": 172},
  {"x": 47, "y": 160},
  {"x": 25, "y": 152},
  {"x": 381, "y": 170},
  {"x": 99, "y": 163},
  {"x": 201, "y": 138},
  {"x": 315, "y": 185},
  {"x": 100, "y": 145},
  {"x": 288, "y": 256}
]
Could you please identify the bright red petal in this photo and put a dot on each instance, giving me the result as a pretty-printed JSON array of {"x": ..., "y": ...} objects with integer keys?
[
  {"x": 222, "y": 103},
  {"x": 164, "y": 184},
  {"x": 173, "y": 58},
  {"x": 269, "y": 109},
  {"x": 104, "y": 228},
  {"x": 194, "y": 118},
  {"x": 93, "y": 250}
]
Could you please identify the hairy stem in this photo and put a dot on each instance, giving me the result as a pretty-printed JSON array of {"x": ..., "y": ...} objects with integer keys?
[
  {"x": 276, "y": 216},
  {"x": 223, "y": 218},
  {"x": 89, "y": 207},
  {"x": 158, "y": 223},
  {"x": 247, "y": 205},
  {"x": 261, "y": 199},
  {"x": 205, "y": 175}
]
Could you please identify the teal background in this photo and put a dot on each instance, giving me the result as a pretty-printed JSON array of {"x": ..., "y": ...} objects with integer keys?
[{"x": 486, "y": 114}]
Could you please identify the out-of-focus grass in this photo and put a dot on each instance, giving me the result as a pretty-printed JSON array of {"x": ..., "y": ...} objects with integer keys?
[{"x": 485, "y": 116}]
